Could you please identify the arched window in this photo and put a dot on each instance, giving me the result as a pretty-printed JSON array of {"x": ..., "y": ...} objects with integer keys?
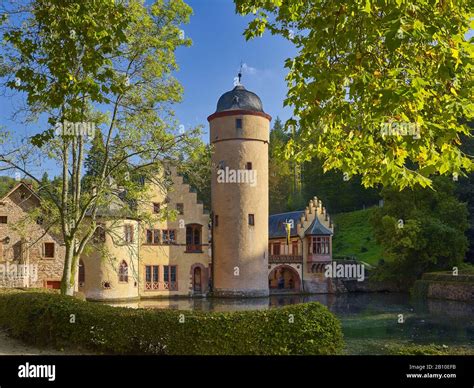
[
  {"x": 123, "y": 272},
  {"x": 82, "y": 273}
]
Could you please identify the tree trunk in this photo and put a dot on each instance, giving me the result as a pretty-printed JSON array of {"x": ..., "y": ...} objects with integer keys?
[{"x": 67, "y": 288}]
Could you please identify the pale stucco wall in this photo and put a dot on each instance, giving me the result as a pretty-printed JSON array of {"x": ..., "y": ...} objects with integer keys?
[
  {"x": 176, "y": 254},
  {"x": 102, "y": 261},
  {"x": 240, "y": 249}
]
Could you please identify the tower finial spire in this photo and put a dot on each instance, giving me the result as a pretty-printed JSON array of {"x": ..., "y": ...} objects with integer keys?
[{"x": 240, "y": 73}]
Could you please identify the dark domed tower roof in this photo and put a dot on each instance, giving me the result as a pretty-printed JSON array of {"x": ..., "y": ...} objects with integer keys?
[{"x": 239, "y": 98}]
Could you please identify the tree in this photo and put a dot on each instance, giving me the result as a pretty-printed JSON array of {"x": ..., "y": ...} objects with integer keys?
[
  {"x": 88, "y": 66},
  {"x": 337, "y": 193},
  {"x": 196, "y": 169},
  {"x": 280, "y": 171},
  {"x": 465, "y": 193},
  {"x": 420, "y": 230},
  {"x": 377, "y": 86}
]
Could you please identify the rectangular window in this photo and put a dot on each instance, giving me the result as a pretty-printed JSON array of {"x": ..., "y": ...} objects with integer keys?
[
  {"x": 152, "y": 277},
  {"x": 180, "y": 208},
  {"x": 49, "y": 250},
  {"x": 148, "y": 273},
  {"x": 276, "y": 248},
  {"x": 153, "y": 236},
  {"x": 238, "y": 123},
  {"x": 294, "y": 248},
  {"x": 156, "y": 207},
  {"x": 168, "y": 236},
  {"x": 251, "y": 219},
  {"x": 169, "y": 273},
  {"x": 320, "y": 245},
  {"x": 3, "y": 219},
  {"x": 216, "y": 220},
  {"x": 128, "y": 233},
  {"x": 248, "y": 166}
]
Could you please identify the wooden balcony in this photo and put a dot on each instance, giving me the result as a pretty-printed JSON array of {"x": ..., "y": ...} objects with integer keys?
[{"x": 276, "y": 259}]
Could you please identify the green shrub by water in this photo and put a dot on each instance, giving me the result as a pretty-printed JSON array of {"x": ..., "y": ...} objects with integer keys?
[{"x": 43, "y": 319}]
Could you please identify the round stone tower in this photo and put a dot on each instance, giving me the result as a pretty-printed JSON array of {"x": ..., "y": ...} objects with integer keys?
[{"x": 239, "y": 134}]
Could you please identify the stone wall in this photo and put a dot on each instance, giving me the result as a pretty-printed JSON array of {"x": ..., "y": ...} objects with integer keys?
[
  {"x": 22, "y": 239},
  {"x": 445, "y": 286}
]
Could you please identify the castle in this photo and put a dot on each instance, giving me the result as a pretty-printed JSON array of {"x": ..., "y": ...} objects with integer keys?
[{"x": 236, "y": 251}]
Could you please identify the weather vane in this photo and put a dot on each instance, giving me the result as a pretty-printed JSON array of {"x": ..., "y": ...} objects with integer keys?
[{"x": 240, "y": 72}]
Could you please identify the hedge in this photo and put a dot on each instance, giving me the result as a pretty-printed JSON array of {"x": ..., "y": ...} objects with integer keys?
[{"x": 47, "y": 320}]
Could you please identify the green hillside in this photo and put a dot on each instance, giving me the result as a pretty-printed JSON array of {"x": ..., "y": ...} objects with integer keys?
[{"x": 353, "y": 237}]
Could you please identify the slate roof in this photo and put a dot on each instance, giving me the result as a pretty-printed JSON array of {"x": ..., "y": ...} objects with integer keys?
[
  {"x": 239, "y": 98},
  {"x": 317, "y": 228},
  {"x": 276, "y": 227}
]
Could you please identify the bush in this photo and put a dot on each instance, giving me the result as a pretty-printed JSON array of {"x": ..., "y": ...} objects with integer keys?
[{"x": 45, "y": 320}]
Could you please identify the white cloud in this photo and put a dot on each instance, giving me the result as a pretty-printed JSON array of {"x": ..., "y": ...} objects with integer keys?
[{"x": 246, "y": 69}]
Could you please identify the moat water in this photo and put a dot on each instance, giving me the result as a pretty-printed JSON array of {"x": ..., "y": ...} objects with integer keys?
[{"x": 370, "y": 321}]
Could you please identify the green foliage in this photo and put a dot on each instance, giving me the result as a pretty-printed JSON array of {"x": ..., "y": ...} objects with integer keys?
[
  {"x": 44, "y": 319},
  {"x": 284, "y": 181},
  {"x": 337, "y": 194},
  {"x": 292, "y": 184},
  {"x": 428, "y": 350},
  {"x": 108, "y": 65},
  {"x": 354, "y": 237},
  {"x": 465, "y": 193},
  {"x": 196, "y": 169},
  {"x": 6, "y": 184},
  {"x": 362, "y": 64},
  {"x": 420, "y": 230}
]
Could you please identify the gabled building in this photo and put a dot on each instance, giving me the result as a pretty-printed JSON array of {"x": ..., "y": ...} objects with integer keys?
[
  {"x": 297, "y": 259},
  {"x": 137, "y": 259},
  {"x": 30, "y": 255}
]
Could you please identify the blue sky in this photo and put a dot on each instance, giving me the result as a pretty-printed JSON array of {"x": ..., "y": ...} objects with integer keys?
[{"x": 206, "y": 69}]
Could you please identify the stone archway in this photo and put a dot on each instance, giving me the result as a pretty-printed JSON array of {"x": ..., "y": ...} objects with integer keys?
[{"x": 284, "y": 278}]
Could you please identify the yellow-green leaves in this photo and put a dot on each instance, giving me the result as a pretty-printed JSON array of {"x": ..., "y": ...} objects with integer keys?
[{"x": 383, "y": 88}]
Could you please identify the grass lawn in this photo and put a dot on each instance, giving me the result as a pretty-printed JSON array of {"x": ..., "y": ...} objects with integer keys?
[{"x": 353, "y": 237}]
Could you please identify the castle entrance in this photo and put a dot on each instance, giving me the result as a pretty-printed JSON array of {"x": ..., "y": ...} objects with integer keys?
[{"x": 284, "y": 278}]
